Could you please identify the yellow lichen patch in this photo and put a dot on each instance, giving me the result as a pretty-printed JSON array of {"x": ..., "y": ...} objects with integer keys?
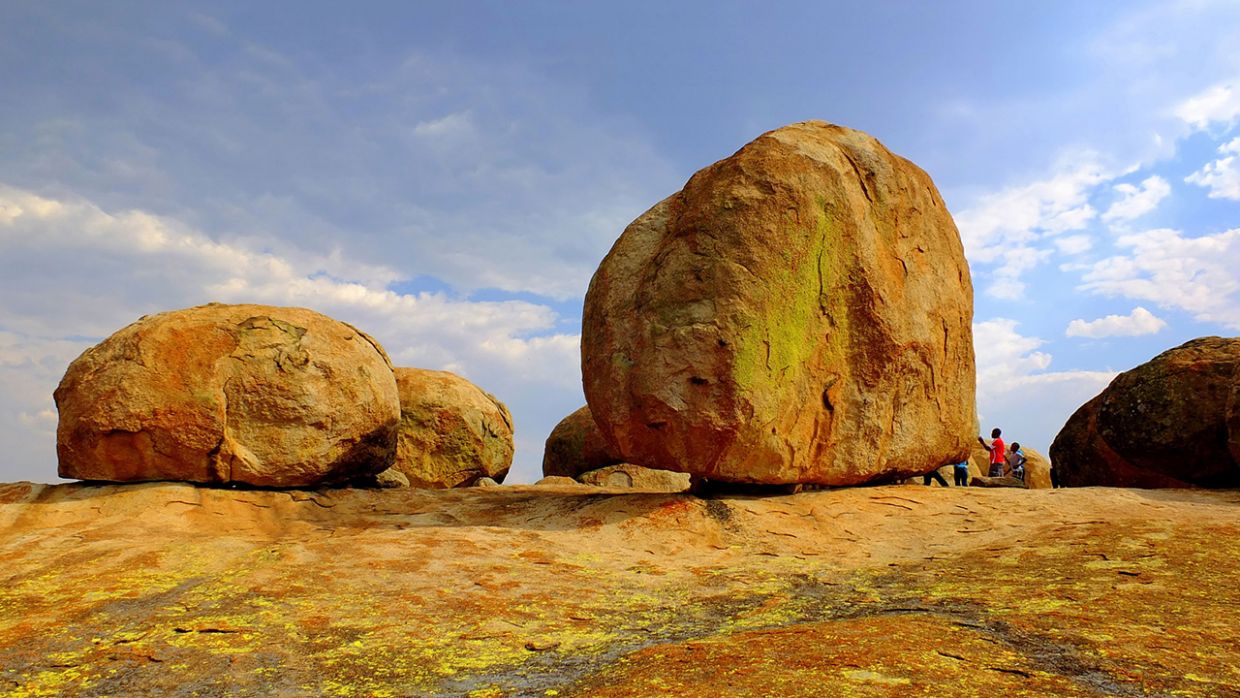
[
  {"x": 876, "y": 656},
  {"x": 427, "y": 594}
]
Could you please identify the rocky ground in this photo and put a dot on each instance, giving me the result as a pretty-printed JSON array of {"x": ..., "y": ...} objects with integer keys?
[{"x": 176, "y": 590}]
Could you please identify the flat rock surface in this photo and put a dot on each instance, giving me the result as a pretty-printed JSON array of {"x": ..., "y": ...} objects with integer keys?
[{"x": 177, "y": 590}]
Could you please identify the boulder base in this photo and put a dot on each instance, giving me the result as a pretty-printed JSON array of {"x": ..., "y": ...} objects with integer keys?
[
  {"x": 275, "y": 397},
  {"x": 1170, "y": 422},
  {"x": 451, "y": 431},
  {"x": 799, "y": 313}
]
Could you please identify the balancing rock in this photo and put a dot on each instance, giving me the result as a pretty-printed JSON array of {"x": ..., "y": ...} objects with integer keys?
[{"x": 799, "y": 312}]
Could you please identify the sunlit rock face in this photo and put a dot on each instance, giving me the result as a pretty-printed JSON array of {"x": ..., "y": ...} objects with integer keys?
[
  {"x": 799, "y": 312},
  {"x": 254, "y": 394},
  {"x": 452, "y": 433},
  {"x": 1173, "y": 421},
  {"x": 576, "y": 446}
]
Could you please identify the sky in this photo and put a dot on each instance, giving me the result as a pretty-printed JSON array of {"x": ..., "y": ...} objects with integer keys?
[{"x": 447, "y": 176}]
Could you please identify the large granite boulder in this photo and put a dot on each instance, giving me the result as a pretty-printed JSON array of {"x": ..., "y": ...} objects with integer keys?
[
  {"x": 799, "y": 313},
  {"x": 1173, "y": 421},
  {"x": 576, "y": 446},
  {"x": 451, "y": 431},
  {"x": 275, "y": 397}
]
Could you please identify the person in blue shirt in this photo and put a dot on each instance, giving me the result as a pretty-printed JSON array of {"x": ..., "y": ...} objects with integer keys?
[
  {"x": 1016, "y": 461},
  {"x": 961, "y": 472}
]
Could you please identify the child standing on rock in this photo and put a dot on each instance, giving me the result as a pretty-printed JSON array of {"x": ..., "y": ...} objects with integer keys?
[
  {"x": 1016, "y": 461},
  {"x": 998, "y": 457}
]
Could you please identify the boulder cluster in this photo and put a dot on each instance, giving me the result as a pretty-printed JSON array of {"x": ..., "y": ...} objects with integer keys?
[
  {"x": 270, "y": 397},
  {"x": 799, "y": 313}
]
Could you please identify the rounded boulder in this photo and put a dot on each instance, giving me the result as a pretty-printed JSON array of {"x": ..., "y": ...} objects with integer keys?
[
  {"x": 799, "y": 312},
  {"x": 267, "y": 396},
  {"x": 576, "y": 446},
  {"x": 1173, "y": 421},
  {"x": 452, "y": 432}
]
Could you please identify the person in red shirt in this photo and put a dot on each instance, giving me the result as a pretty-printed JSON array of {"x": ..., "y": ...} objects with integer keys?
[{"x": 997, "y": 452}]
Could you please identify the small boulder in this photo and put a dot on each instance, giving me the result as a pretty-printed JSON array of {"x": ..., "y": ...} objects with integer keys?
[
  {"x": 254, "y": 394},
  {"x": 1170, "y": 422},
  {"x": 391, "y": 479},
  {"x": 1037, "y": 469},
  {"x": 557, "y": 481},
  {"x": 576, "y": 446},
  {"x": 627, "y": 475},
  {"x": 451, "y": 431},
  {"x": 800, "y": 312},
  {"x": 485, "y": 482}
]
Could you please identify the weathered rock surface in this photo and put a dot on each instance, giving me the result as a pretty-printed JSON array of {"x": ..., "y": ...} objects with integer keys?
[
  {"x": 557, "y": 481},
  {"x": 391, "y": 478},
  {"x": 636, "y": 477},
  {"x": 576, "y": 446},
  {"x": 1037, "y": 469},
  {"x": 451, "y": 431},
  {"x": 174, "y": 590},
  {"x": 1170, "y": 422},
  {"x": 277, "y": 397},
  {"x": 1004, "y": 481},
  {"x": 799, "y": 312}
]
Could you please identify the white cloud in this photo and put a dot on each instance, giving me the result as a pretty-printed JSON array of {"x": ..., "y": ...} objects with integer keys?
[
  {"x": 1221, "y": 177},
  {"x": 1139, "y": 322},
  {"x": 1197, "y": 275},
  {"x": 1218, "y": 104},
  {"x": 1136, "y": 201},
  {"x": 1006, "y": 280},
  {"x": 1073, "y": 244},
  {"x": 1017, "y": 392},
  {"x": 1005, "y": 227},
  {"x": 451, "y": 126},
  {"x": 82, "y": 271}
]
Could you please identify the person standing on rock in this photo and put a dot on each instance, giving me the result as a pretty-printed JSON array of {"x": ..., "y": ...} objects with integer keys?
[
  {"x": 1016, "y": 461},
  {"x": 997, "y": 452}
]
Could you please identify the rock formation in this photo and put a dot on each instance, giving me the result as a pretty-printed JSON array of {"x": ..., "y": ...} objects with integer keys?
[
  {"x": 799, "y": 312},
  {"x": 1173, "y": 421},
  {"x": 636, "y": 477},
  {"x": 277, "y": 397},
  {"x": 576, "y": 446},
  {"x": 451, "y": 431}
]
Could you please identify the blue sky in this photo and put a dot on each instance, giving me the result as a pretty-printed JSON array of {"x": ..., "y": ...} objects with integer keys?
[{"x": 448, "y": 175}]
